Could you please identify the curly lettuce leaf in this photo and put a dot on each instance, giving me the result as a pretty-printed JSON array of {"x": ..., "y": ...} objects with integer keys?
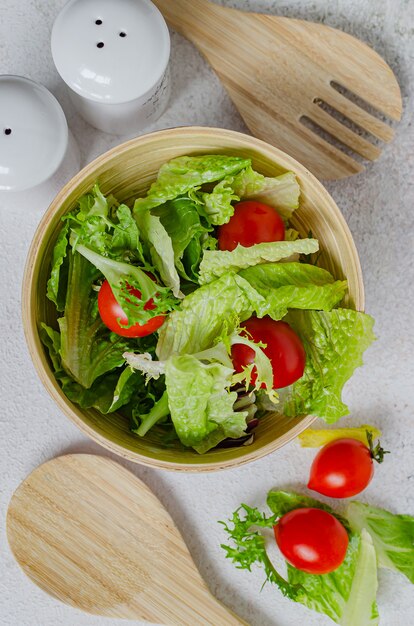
[
  {"x": 124, "y": 277},
  {"x": 201, "y": 405},
  {"x": 142, "y": 362},
  {"x": 393, "y": 536},
  {"x": 215, "y": 263},
  {"x": 317, "y": 438},
  {"x": 262, "y": 366},
  {"x": 181, "y": 175},
  {"x": 294, "y": 286},
  {"x": 334, "y": 343}
]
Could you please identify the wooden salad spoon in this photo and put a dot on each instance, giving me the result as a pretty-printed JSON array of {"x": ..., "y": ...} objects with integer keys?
[
  {"x": 287, "y": 79},
  {"x": 91, "y": 534}
]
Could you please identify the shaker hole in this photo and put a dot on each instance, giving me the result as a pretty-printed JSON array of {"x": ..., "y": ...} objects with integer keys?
[
  {"x": 100, "y": 44},
  {"x": 98, "y": 22},
  {"x": 7, "y": 131},
  {"x": 122, "y": 34}
]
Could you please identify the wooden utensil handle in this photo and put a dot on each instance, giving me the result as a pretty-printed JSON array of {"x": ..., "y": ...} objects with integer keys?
[{"x": 186, "y": 15}]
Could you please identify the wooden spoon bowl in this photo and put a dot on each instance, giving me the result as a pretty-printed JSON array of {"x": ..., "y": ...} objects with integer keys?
[
  {"x": 127, "y": 171},
  {"x": 91, "y": 534}
]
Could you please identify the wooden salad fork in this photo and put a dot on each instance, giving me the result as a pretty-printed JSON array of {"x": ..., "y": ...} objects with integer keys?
[
  {"x": 91, "y": 534},
  {"x": 294, "y": 82}
]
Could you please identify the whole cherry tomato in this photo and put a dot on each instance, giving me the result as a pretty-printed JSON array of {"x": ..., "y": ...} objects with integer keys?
[
  {"x": 253, "y": 222},
  {"x": 312, "y": 540}
]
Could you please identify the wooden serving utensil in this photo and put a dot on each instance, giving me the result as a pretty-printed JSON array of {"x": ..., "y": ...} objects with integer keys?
[
  {"x": 91, "y": 534},
  {"x": 286, "y": 77}
]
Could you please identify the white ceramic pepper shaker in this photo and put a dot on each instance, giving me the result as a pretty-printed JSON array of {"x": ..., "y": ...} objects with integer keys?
[
  {"x": 34, "y": 136},
  {"x": 114, "y": 57}
]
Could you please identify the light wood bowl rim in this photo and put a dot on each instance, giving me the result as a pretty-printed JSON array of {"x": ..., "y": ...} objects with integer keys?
[{"x": 29, "y": 318}]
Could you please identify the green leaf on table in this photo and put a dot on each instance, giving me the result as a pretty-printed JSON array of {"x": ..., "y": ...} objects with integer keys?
[{"x": 393, "y": 536}]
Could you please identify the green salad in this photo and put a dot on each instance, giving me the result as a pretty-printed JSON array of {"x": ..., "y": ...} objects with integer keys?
[{"x": 199, "y": 308}]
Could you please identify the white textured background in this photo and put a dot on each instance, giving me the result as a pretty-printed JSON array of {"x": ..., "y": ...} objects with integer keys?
[{"x": 379, "y": 207}]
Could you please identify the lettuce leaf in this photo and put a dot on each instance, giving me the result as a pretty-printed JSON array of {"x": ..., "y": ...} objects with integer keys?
[
  {"x": 160, "y": 248},
  {"x": 200, "y": 404},
  {"x": 107, "y": 393},
  {"x": 180, "y": 175},
  {"x": 159, "y": 411},
  {"x": 294, "y": 286},
  {"x": 208, "y": 313},
  {"x": 88, "y": 349},
  {"x": 57, "y": 283},
  {"x": 393, "y": 536},
  {"x": 347, "y": 595},
  {"x": 181, "y": 220},
  {"x": 281, "y": 192},
  {"x": 217, "y": 206},
  {"x": 215, "y": 263},
  {"x": 334, "y": 343}
]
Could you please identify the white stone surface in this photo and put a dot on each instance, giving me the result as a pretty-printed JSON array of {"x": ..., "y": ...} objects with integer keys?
[{"x": 378, "y": 206}]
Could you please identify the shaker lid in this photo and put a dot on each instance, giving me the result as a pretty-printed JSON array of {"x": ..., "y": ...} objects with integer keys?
[
  {"x": 110, "y": 51},
  {"x": 33, "y": 133}
]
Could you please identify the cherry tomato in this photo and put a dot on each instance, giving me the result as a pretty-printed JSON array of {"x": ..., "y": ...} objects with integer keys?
[
  {"x": 311, "y": 540},
  {"x": 110, "y": 312},
  {"x": 283, "y": 347},
  {"x": 253, "y": 222},
  {"x": 341, "y": 469}
]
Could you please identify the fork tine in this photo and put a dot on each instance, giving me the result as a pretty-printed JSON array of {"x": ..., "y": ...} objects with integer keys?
[
  {"x": 345, "y": 135},
  {"x": 359, "y": 116}
]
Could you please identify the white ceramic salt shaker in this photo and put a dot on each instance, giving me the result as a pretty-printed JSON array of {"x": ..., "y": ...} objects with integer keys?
[
  {"x": 34, "y": 136},
  {"x": 114, "y": 56}
]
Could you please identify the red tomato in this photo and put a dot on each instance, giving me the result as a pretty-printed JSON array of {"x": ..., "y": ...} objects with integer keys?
[
  {"x": 283, "y": 347},
  {"x": 311, "y": 540},
  {"x": 341, "y": 469},
  {"x": 253, "y": 222},
  {"x": 111, "y": 312}
]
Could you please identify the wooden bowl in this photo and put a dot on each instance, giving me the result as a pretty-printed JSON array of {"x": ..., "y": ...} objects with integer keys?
[{"x": 127, "y": 171}]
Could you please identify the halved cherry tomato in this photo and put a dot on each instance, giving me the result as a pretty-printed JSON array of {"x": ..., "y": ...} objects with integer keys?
[
  {"x": 342, "y": 469},
  {"x": 110, "y": 312},
  {"x": 253, "y": 222},
  {"x": 312, "y": 540},
  {"x": 283, "y": 347}
]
